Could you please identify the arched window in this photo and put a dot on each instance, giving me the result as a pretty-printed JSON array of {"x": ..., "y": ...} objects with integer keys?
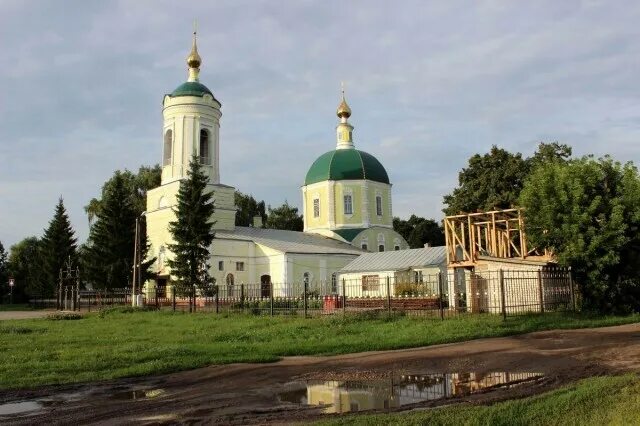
[
  {"x": 379, "y": 205},
  {"x": 381, "y": 247},
  {"x": 348, "y": 204},
  {"x": 334, "y": 283},
  {"x": 306, "y": 277},
  {"x": 204, "y": 147},
  {"x": 168, "y": 147}
]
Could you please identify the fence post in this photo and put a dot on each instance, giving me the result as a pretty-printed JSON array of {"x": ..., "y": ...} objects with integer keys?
[
  {"x": 271, "y": 299},
  {"x": 572, "y": 290},
  {"x": 304, "y": 295},
  {"x": 440, "y": 304},
  {"x": 242, "y": 297},
  {"x": 195, "y": 295},
  {"x": 388, "y": 282},
  {"x": 217, "y": 299},
  {"x": 344, "y": 297},
  {"x": 173, "y": 298},
  {"x": 503, "y": 297},
  {"x": 540, "y": 291}
]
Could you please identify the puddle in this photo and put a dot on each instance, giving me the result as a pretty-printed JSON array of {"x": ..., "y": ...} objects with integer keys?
[
  {"x": 35, "y": 406},
  {"x": 383, "y": 394},
  {"x": 133, "y": 395}
]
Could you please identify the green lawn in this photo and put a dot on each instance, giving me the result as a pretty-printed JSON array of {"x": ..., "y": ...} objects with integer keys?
[
  {"x": 15, "y": 307},
  {"x": 43, "y": 351},
  {"x": 594, "y": 401}
]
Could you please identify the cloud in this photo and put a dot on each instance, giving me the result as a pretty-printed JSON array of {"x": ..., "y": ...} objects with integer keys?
[{"x": 430, "y": 83}]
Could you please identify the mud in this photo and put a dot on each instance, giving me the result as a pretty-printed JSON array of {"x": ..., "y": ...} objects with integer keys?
[{"x": 275, "y": 393}]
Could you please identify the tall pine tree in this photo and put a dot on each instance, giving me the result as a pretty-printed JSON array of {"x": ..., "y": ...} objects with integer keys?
[
  {"x": 192, "y": 231},
  {"x": 57, "y": 246},
  {"x": 108, "y": 255}
]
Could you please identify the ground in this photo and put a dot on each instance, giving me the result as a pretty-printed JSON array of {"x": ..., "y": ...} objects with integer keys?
[{"x": 247, "y": 393}]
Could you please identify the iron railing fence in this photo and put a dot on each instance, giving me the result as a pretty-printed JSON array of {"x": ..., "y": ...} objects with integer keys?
[{"x": 442, "y": 294}]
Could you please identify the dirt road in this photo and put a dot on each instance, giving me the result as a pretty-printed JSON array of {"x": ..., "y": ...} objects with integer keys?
[
  {"x": 16, "y": 315},
  {"x": 248, "y": 393}
]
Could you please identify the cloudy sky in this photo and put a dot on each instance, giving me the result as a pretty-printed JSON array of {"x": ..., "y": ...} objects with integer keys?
[{"x": 430, "y": 83}]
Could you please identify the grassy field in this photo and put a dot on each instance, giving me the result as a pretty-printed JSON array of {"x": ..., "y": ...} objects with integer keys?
[
  {"x": 114, "y": 344},
  {"x": 15, "y": 307},
  {"x": 594, "y": 401}
]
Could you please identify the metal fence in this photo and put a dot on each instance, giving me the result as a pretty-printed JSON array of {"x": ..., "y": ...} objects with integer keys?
[{"x": 450, "y": 293}]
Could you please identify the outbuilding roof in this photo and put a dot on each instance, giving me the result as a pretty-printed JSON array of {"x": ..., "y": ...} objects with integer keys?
[
  {"x": 290, "y": 241},
  {"x": 398, "y": 260}
]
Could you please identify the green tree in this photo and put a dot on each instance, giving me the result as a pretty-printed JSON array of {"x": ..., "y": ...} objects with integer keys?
[
  {"x": 108, "y": 254},
  {"x": 248, "y": 207},
  {"x": 25, "y": 266},
  {"x": 285, "y": 217},
  {"x": 587, "y": 212},
  {"x": 192, "y": 231},
  {"x": 4, "y": 272},
  {"x": 418, "y": 231},
  {"x": 494, "y": 180},
  {"x": 136, "y": 184},
  {"x": 58, "y": 245}
]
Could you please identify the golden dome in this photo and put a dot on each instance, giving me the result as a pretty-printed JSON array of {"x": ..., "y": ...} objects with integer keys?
[
  {"x": 194, "y": 60},
  {"x": 343, "y": 109}
]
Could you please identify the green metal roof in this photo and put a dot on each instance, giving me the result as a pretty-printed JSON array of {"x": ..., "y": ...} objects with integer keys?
[
  {"x": 192, "y": 88},
  {"x": 343, "y": 164},
  {"x": 349, "y": 234}
]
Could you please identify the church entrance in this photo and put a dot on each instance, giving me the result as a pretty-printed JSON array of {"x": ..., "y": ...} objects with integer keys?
[{"x": 265, "y": 286}]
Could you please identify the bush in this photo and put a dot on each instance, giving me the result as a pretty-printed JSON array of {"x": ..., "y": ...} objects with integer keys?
[
  {"x": 63, "y": 316},
  {"x": 124, "y": 310}
]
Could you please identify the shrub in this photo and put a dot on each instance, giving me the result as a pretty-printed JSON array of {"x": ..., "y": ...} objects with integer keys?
[{"x": 64, "y": 316}]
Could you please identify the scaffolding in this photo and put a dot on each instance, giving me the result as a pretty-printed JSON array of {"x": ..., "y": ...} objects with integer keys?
[{"x": 499, "y": 234}]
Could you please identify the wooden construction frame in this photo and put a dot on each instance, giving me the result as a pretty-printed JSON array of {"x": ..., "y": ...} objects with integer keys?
[{"x": 497, "y": 234}]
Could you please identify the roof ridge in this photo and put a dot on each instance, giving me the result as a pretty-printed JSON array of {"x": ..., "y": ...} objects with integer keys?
[
  {"x": 364, "y": 170},
  {"x": 333, "y": 154}
]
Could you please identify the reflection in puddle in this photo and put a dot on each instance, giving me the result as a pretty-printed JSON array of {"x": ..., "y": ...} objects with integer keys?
[
  {"x": 383, "y": 394},
  {"x": 19, "y": 407},
  {"x": 138, "y": 394}
]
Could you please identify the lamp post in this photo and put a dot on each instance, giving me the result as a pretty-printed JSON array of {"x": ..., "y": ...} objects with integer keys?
[{"x": 136, "y": 284}]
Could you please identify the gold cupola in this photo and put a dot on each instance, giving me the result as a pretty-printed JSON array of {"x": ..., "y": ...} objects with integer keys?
[
  {"x": 344, "y": 130},
  {"x": 194, "y": 61}
]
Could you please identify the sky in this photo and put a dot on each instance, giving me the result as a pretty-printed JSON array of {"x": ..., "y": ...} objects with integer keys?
[{"x": 430, "y": 83}]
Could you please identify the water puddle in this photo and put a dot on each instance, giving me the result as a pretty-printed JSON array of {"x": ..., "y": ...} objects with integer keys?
[
  {"x": 35, "y": 406},
  {"x": 342, "y": 396}
]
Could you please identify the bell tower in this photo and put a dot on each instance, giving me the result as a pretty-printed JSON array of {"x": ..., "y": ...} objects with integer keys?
[{"x": 190, "y": 125}]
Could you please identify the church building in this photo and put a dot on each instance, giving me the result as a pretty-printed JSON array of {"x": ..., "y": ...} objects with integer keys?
[{"x": 346, "y": 201}]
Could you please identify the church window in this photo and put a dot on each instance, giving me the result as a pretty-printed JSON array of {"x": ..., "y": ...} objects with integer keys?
[
  {"x": 316, "y": 207},
  {"x": 396, "y": 247},
  {"x": 381, "y": 247},
  {"x": 334, "y": 283},
  {"x": 365, "y": 246},
  {"x": 168, "y": 146},
  {"x": 348, "y": 204},
  {"x": 239, "y": 266},
  {"x": 379, "y": 205},
  {"x": 230, "y": 280},
  {"x": 161, "y": 257},
  {"x": 306, "y": 277},
  {"x": 204, "y": 147},
  {"x": 220, "y": 265}
]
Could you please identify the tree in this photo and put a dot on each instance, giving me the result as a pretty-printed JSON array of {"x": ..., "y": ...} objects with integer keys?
[
  {"x": 587, "y": 212},
  {"x": 192, "y": 231},
  {"x": 57, "y": 246},
  {"x": 4, "y": 272},
  {"x": 418, "y": 231},
  {"x": 138, "y": 184},
  {"x": 248, "y": 208},
  {"x": 494, "y": 180},
  {"x": 108, "y": 254},
  {"x": 285, "y": 217},
  {"x": 25, "y": 266}
]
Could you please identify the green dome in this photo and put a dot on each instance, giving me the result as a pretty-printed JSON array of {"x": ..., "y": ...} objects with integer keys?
[
  {"x": 343, "y": 164},
  {"x": 192, "y": 88}
]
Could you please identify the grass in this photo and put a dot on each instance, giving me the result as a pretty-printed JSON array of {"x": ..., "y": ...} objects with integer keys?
[
  {"x": 611, "y": 400},
  {"x": 15, "y": 307},
  {"x": 120, "y": 344}
]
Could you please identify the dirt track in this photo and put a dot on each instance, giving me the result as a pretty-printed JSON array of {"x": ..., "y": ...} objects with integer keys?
[{"x": 246, "y": 393}]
